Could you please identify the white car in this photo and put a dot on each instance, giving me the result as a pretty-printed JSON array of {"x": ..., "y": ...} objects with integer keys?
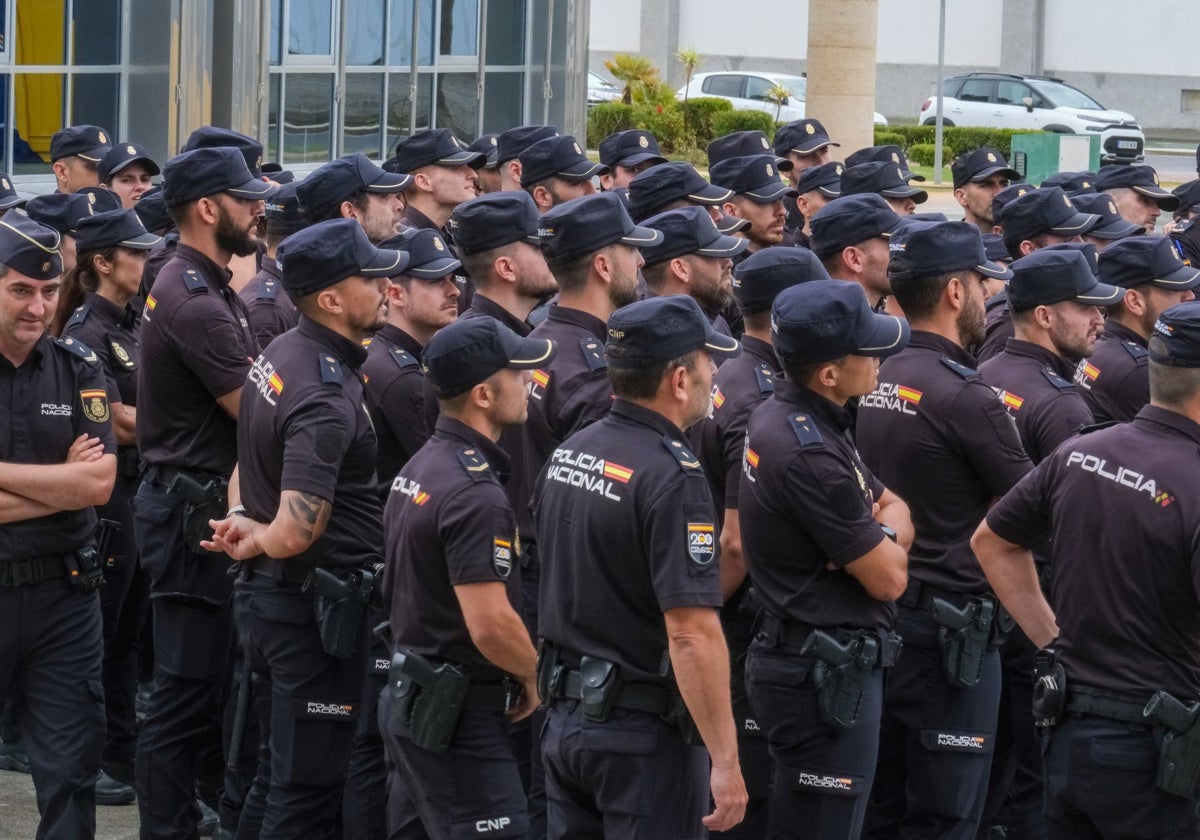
[
  {"x": 601, "y": 89},
  {"x": 1002, "y": 100},
  {"x": 748, "y": 91}
]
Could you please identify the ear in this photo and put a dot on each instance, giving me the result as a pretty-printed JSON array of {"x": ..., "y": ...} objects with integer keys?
[
  {"x": 682, "y": 270},
  {"x": 607, "y": 181},
  {"x": 482, "y": 396},
  {"x": 60, "y": 170},
  {"x": 1043, "y": 316},
  {"x": 853, "y": 256},
  {"x": 677, "y": 383},
  {"x": 1134, "y": 301},
  {"x": 827, "y": 376},
  {"x": 730, "y": 209},
  {"x": 802, "y": 205},
  {"x": 961, "y": 196},
  {"x": 396, "y": 294},
  {"x": 422, "y": 182},
  {"x": 347, "y": 210},
  {"x": 208, "y": 210},
  {"x": 1027, "y": 247},
  {"x": 505, "y": 268},
  {"x": 956, "y": 293},
  {"x": 101, "y": 265},
  {"x": 542, "y": 198},
  {"x": 602, "y": 264},
  {"x": 328, "y": 300}
]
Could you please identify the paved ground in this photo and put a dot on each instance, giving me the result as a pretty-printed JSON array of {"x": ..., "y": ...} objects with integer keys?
[{"x": 19, "y": 814}]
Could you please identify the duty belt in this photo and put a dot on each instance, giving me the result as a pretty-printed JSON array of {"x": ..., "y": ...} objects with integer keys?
[
  {"x": 796, "y": 633},
  {"x": 164, "y": 474},
  {"x": 637, "y": 697},
  {"x": 920, "y": 595},
  {"x": 31, "y": 570},
  {"x": 1082, "y": 700},
  {"x": 292, "y": 571}
]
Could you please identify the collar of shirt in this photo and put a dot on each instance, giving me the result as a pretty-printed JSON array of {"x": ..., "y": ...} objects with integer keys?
[
  {"x": 1119, "y": 331},
  {"x": 643, "y": 416},
  {"x": 217, "y": 276},
  {"x": 105, "y": 308},
  {"x": 943, "y": 345},
  {"x": 1171, "y": 419},
  {"x": 447, "y": 428},
  {"x": 567, "y": 315},
  {"x": 401, "y": 339},
  {"x": 1058, "y": 364},
  {"x": 37, "y": 355},
  {"x": 419, "y": 220},
  {"x": 351, "y": 352},
  {"x": 828, "y": 413},
  {"x": 761, "y": 350},
  {"x": 481, "y": 304}
]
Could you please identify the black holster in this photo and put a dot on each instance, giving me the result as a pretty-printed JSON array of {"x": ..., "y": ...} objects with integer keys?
[
  {"x": 550, "y": 671},
  {"x": 840, "y": 673},
  {"x": 341, "y": 608},
  {"x": 1179, "y": 755},
  {"x": 600, "y": 683},
  {"x": 201, "y": 502},
  {"x": 965, "y": 637},
  {"x": 427, "y": 699}
]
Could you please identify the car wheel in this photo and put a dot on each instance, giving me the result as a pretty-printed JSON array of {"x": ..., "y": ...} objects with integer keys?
[{"x": 945, "y": 122}]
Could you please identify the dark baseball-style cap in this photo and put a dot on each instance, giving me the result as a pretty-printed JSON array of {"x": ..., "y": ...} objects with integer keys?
[
  {"x": 433, "y": 147},
  {"x": 756, "y": 177},
  {"x": 630, "y": 148},
  {"x": 337, "y": 181},
  {"x": 325, "y": 254},
  {"x": 1086, "y": 248},
  {"x": 113, "y": 227},
  {"x": 1188, "y": 194},
  {"x": 802, "y": 137},
  {"x": 922, "y": 249},
  {"x": 1041, "y": 211},
  {"x": 62, "y": 211},
  {"x": 850, "y": 220},
  {"x": 152, "y": 210},
  {"x": 993, "y": 247},
  {"x": 980, "y": 165},
  {"x": 582, "y": 226},
  {"x": 825, "y": 320},
  {"x": 8, "y": 194},
  {"x": 429, "y": 257},
  {"x": 1073, "y": 183},
  {"x": 1146, "y": 259},
  {"x": 659, "y": 329},
  {"x": 30, "y": 247},
  {"x": 658, "y": 186},
  {"x": 212, "y": 137},
  {"x": 487, "y": 144},
  {"x": 885, "y": 179},
  {"x": 513, "y": 141},
  {"x": 121, "y": 156},
  {"x": 1112, "y": 224},
  {"x": 1047, "y": 277},
  {"x": 471, "y": 350},
  {"x": 493, "y": 221},
  {"x": 743, "y": 144},
  {"x": 283, "y": 212},
  {"x": 689, "y": 230},
  {"x": 1179, "y": 330},
  {"x": 759, "y": 278},
  {"x": 1140, "y": 179},
  {"x": 90, "y": 142},
  {"x": 557, "y": 157},
  {"x": 1010, "y": 193},
  {"x": 203, "y": 172},
  {"x": 732, "y": 224},
  {"x": 887, "y": 154},
  {"x": 827, "y": 178}
]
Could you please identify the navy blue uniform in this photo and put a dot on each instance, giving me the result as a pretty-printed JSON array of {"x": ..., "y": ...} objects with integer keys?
[
  {"x": 998, "y": 327},
  {"x": 937, "y": 436},
  {"x": 50, "y": 631},
  {"x": 1128, "y": 615},
  {"x": 1115, "y": 381},
  {"x": 270, "y": 310},
  {"x": 626, "y": 531}
]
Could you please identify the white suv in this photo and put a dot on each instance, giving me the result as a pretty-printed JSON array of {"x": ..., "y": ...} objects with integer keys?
[
  {"x": 748, "y": 92},
  {"x": 1001, "y": 100}
]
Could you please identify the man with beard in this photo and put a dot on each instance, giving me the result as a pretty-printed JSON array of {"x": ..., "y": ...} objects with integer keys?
[
  {"x": 271, "y": 310},
  {"x": 850, "y": 237},
  {"x": 1137, "y": 194},
  {"x": 978, "y": 176},
  {"x": 758, "y": 196},
  {"x": 354, "y": 188},
  {"x": 306, "y": 521},
  {"x": 197, "y": 332},
  {"x": 935, "y": 434}
]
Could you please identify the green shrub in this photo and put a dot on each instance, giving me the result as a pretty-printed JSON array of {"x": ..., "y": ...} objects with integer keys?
[
  {"x": 606, "y": 118},
  {"x": 665, "y": 122},
  {"x": 883, "y": 137},
  {"x": 921, "y": 154},
  {"x": 956, "y": 139},
  {"x": 730, "y": 121},
  {"x": 700, "y": 112}
]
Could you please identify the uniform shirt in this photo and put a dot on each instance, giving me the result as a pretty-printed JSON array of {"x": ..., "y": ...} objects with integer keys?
[
  {"x": 447, "y": 523},
  {"x": 56, "y": 395},
  {"x": 271, "y": 311},
  {"x": 806, "y": 502},
  {"x": 160, "y": 254},
  {"x": 1125, "y": 537},
  {"x": 1115, "y": 381},
  {"x": 741, "y": 384},
  {"x": 626, "y": 530},
  {"x": 570, "y": 392},
  {"x": 196, "y": 332},
  {"x": 936, "y": 435},
  {"x": 395, "y": 388},
  {"x": 111, "y": 332},
  {"x": 303, "y": 426},
  {"x": 1034, "y": 384},
  {"x": 997, "y": 327}
]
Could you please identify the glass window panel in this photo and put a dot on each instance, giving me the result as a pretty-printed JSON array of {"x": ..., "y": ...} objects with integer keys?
[
  {"x": 537, "y": 60},
  {"x": 458, "y": 105},
  {"x": 559, "y": 39},
  {"x": 460, "y": 27},
  {"x": 41, "y": 31},
  {"x": 310, "y": 27},
  {"x": 307, "y": 118},
  {"x": 364, "y": 32},
  {"x": 363, "y": 115},
  {"x": 273, "y": 96},
  {"x": 95, "y": 100},
  {"x": 502, "y": 101},
  {"x": 97, "y": 32},
  {"x": 149, "y": 76},
  {"x": 400, "y": 42},
  {"x": 506, "y": 32},
  {"x": 38, "y": 112},
  {"x": 400, "y": 105},
  {"x": 276, "y": 31}
]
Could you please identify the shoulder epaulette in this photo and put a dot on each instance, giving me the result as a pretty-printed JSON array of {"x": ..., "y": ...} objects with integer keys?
[
  {"x": 765, "y": 377},
  {"x": 1056, "y": 380},
  {"x": 806, "y": 430},
  {"x": 686, "y": 458},
  {"x": 1136, "y": 350},
  {"x": 194, "y": 282},
  {"x": 402, "y": 357},
  {"x": 268, "y": 290},
  {"x": 331, "y": 371},
  {"x": 593, "y": 353},
  {"x": 77, "y": 348},
  {"x": 79, "y": 315},
  {"x": 475, "y": 464},
  {"x": 1095, "y": 427},
  {"x": 961, "y": 369}
]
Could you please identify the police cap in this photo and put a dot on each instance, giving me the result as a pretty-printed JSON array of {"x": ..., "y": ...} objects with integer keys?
[
  {"x": 433, "y": 147},
  {"x": 887, "y": 154},
  {"x": 429, "y": 257},
  {"x": 630, "y": 148},
  {"x": 666, "y": 183},
  {"x": 486, "y": 144},
  {"x": 337, "y": 181},
  {"x": 1188, "y": 194},
  {"x": 492, "y": 221},
  {"x": 121, "y": 156},
  {"x": 557, "y": 157},
  {"x": 759, "y": 278},
  {"x": 802, "y": 137},
  {"x": 850, "y": 220},
  {"x": 283, "y": 212},
  {"x": 1140, "y": 179},
  {"x": 211, "y": 137},
  {"x": 30, "y": 247},
  {"x": 689, "y": 230},
  {"x": 470, "y": 350},
  {"x": 90, "y": 142},
  {"x": 324, "y": 254},
  {"x": 1050, "y": 276},
  {"x": 197, "y": 174},
  {"x": 921, "y": 249},
  {"x": 61, "y": 211},
  {"x": 513, "y": 141},
  {"x": 658, "y": 329},
  {"x": 980, "y": 165},
  {"x": 113, "y": 227},
  {"x": 152, "y": 210},
  {"x": 884, "y": 179},
  {"x": 1146, "y": 259},
  {"x": 743, "y": 144},
  {"x": 1178, "y": 328},
  {"x": 827, "y": 178},
  {"x": 8, "y": 194},
  {"x": 584, "y": 225},
  {"x": 1112, "y": 224},
  {"x": 828, "y": 319},
  {"x": 755, "y": 176},
  {"x": 1073, "y": 183},
  {"x": 1046, "y": 210}
]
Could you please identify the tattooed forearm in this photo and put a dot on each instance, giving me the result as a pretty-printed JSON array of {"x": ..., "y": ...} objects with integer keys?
[{"x": 310, "y": 514}]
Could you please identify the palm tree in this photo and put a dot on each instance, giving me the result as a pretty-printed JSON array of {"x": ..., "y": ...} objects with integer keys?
[
  {"x": 690, "y": 59},
  {"x": 635, "y": 72},
  {"x": 779, "y": 95}
]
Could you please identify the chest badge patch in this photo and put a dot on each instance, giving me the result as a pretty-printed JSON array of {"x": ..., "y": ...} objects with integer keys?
[
  {"x": 122, "y": 355},
  {"x": 702, "y": 542},
  {"x": 502, "y": 556},
  {"x": 95, "y": 405}
]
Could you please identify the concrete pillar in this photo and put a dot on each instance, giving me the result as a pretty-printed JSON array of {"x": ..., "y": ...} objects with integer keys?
[
  {"x": 841, "y": 69},
  {"x": 1020, "y": 36},
  {"x": 660, "y": 37}
]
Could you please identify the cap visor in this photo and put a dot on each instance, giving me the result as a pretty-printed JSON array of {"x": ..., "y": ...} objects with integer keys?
[
  {"x": 390, "y": 182},
  {"x": 906, "y": 192},
  {"x": 1117, "y": 229},
  {"x": 771, "y": 191},
  {"x": 385, "y": 263},
  {"x": 830, "y": 192},
  {"x": 889, "y": 337},
  {"x": 531, "y": 353},
  {"x": 151, "y": 166},
  {"x": 1183, "y": 278},
  {"x": 94, "y": 155},
  {"x": 912, "y": 176},
  {"x": 732, "y": 224},
  {"x": 994, "y": 270},
  {"x": 141, "y": 242},
  {"x": 1100, "y": 294},
  {"x": 722, "y": 345},
  {"x": 1013, "y": 175},
  {"x": 1078, "y": 223},
  {"x": 641, "y": 157},
  {"x": 814, "y": 145},
  {"x": 640, "y": 237},
  {"x": 582, "y": 171},
  {"x": 253, "y": 188},
  {"x": 1159, "y": 194},
  {"x": 710, "y": 194},
  {"x": 784, "y": 164},
  {"x": 724, "y": 246},
  {"x": 435, "y": 270},
  {"x": 475, "y": 160},
  {"x": 12, "y": 201}
]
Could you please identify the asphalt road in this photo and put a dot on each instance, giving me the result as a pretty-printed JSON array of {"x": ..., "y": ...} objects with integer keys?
[{"x": 19, "y": 813}]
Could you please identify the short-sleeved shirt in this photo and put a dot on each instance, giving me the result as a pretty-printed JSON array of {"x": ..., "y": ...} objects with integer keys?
[
  {"x": 741, "y": 385},
  {"x": 568, "y": 393},
  {"x": 1124, "y": 522},
  {"x": 57, "y": 394},
  {"x": 395, "y": 389},
  {"x": 303, "y": 426},
  {"x": 447, "y": 523},
  {"x": 1036, "y": 388},
  {"x": 112, "y": 333},
  {"x": 1115, "y": 381},
  {"x": 806, "y": 503},
  {"x": 197, "y": 334},
  {"x": 271, "y": 311},
  {"x": 626, "y": 531},
  {"x": 937, "y": 436},
  {"x": 997, "y": 327}
]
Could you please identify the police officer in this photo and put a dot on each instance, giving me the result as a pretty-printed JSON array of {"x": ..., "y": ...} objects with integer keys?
[
  {"x": 509, "y": 146},
  {"x": 62, "y": 211},
  {"x": 740, "y": 385},
  {"x": 75, "y": 152},
  {"x": 670, "y": 186},
  {"x": 8, "y": 195},
  {"x": 1115, "y": 380},
  {"x": 555, "y": 170},
  {"x": 629, "y": 628},
  {"x": 1102, "y": 499},
  {"x": 454, "y": 588},
  {"x": 1137, "y": 194},
  {"x": 850, "y": 237},
  {"x": 1112, "y": 225},
  {"x": 305, "y": 523},
  {"x": 59, "y": 460},
  {"x": 271, "y": 311},
  {"x": 887, "y": 180},
  {"x": 627, "y": 154},
  {"x": 816, "y": 539},
  {"x": 978, "y": 176},
  {"x": 885, "y": 153},
  {"x": 126, "y": 170},
  {"x": 354, "y": 188},
  {"x": 487, "y": 177},
  {"x": 1073, "y": 183},
  {"x": 816, "y": 187},
  {"x": 196, "y": 331},
  {"x": 805, "y": 143},
  {"x": 743, "y": 144},
  {"x": 759, "y": 196},
  {"x": 937, "y": 436},
  {"x": 443, "y": 173}
]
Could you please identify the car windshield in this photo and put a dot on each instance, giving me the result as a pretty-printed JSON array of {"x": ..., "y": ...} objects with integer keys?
[
  {"x": 798, "y": 85},
  {"x": 1066, "y": 96}
]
